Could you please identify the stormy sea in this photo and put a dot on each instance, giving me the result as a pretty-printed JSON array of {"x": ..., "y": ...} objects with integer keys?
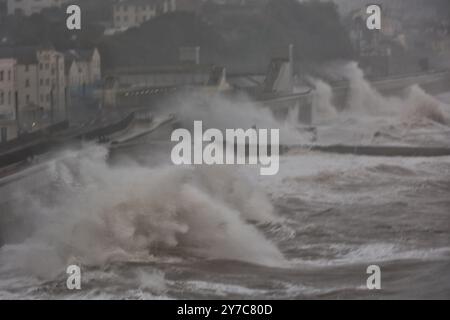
[{"x": 141, "y": 228}]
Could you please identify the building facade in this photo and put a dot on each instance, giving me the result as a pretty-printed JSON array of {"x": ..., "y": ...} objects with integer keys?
[
  {"x": 134, "y": 87},
  {"x": 7, "y": 88},
  {"x": 83, "y": 71},
  {"x": 8, "y": 129},
  {"x": 27, "y": 85},
  {"x": 38, "y": 87},
  {"x": 52, "y": 83},
  {"x": 132, "y": 13},
  {"x": 29, "y": 7}
]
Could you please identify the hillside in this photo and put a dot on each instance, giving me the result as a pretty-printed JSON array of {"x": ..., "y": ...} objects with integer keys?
[
  {"x": 235, "y": 40},
  {"x": 235, "y": 37}
]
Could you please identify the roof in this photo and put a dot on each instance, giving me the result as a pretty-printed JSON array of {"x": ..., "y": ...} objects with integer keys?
[
  {"x": 81, "y": 55},
  {"x": 274, "y": 70},
  {"x": 180, "y": 68}
]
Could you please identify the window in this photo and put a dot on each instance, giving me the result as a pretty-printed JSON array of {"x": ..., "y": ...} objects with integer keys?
[
  {"x": 2, "y": 97},
  {"x": 1, "y": 75},
  {"x": 47, "y": 82},
  {"x": 27, "y": 83},
  {"x": 9, "y": 75},
  {"x": 9, "y": 97},
  {"x": 28, "y": 98}
]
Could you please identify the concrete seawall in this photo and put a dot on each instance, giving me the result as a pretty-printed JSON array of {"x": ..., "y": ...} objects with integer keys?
[{"x": 373, "y": 151}]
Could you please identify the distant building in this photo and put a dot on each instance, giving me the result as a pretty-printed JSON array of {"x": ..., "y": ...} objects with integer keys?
[
  {"x": 278, "y": 80},
  {"x": 8, "y": 128},
  {"x": 29, "y": 7},
  {"x": 132, "y": 13},
  {"x": 189, "y": 72},
  {"x": 143, "y": 86},
  {"x": 7, "y": 87},
  {"x": 166, "y": 76},
  {"x": 40, "y": 86},
  {"x": 52, "y": 83},
  {"x": 83, "y": 71}
]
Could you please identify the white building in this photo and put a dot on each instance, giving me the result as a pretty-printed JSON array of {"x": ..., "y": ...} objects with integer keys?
[
  {"x": 7, "y": 87},
  {"x": 83, "y": 70},
  {"x": 8, "y": 128},
  {"x": 27, "y": 86},
  {"x": 52, "y": 83},
  {"x": 39, "y": 86},
  {"x": 132, "y": 13}
]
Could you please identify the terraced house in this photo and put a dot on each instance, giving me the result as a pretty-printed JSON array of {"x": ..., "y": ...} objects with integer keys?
[
  {"x": 34, "y": 87},
  {"x": 132, "y": 13},
  {"x": 8, "y": 128},
  {"x": 83, "y": 71}
]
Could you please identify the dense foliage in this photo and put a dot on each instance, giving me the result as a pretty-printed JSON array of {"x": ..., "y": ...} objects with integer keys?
[{"x": 232, "y": 38}]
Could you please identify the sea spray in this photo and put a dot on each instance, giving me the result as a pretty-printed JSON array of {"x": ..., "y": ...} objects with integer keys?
[
  {"x": 323, "y": 107},
  {"x": 221, "y": 112},
  {"x": 420, "y": 105},
  {"x": 414, "y": 103},
  {"x": 362, "y": 97},
  {"x": 370, "y": 117},
  {"x": 127, "y": 213}
]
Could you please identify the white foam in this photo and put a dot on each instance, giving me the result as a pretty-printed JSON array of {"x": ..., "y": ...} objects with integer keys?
[{"x": 106, "y": 214}]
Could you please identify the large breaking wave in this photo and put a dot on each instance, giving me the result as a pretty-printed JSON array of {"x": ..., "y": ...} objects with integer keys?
[{"x": 100, "y": 214}]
